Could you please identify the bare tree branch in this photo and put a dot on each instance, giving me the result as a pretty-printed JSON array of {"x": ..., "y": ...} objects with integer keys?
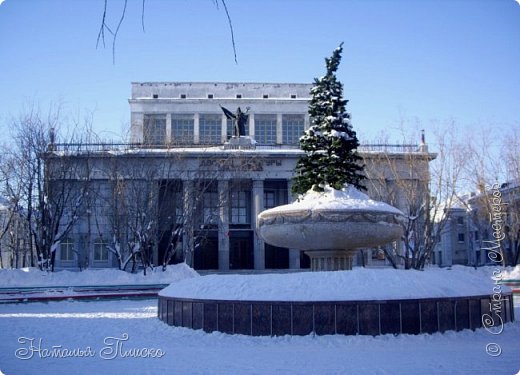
[
  {"x": 142, "y": 15},
  {"x": 104, "y": 26},
  {"x": 231, "y": 30}
]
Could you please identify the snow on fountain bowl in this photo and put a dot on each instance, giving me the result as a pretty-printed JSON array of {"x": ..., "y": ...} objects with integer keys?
[{"x": 331, "y": 225}]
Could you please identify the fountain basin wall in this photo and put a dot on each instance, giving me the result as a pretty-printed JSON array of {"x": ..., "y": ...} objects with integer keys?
[
  {"x": 362, "y": 301},
  {"x": 278, "y": 318}
]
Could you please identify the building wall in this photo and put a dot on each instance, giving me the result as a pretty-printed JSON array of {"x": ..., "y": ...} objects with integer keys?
[
  {"x": 467, "y": 236},
  {"x": 257, "y": 170},
  {"x": 249, "y": 179},
  {"x": 167, "y": 100}
]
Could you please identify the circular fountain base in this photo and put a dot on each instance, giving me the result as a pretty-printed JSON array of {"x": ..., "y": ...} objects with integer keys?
[
  {"x": 275, "y": 318},
  {"x": 248, "y": 305}
]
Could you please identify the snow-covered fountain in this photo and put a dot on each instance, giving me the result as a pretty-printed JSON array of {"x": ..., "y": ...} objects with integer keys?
[{"x": 330, "y": 226}]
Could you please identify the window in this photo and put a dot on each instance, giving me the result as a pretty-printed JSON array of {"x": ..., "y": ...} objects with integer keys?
[
  {"x": 210, "y": 96},
  {"x": 461, "y": 237},
  {"x": 154, "y": 129},
  {"x": 182, "y": 128},
  {"x": 240, "y": 207},
  {"x": 100, "y": 251},
  {"x": 265, "y": 96},
  {"x": 275, "y": 193},
  {"x": 210, "y": 129},
  {"x": 460, "y": 220},
  {"x": 183, "y": 96},
  {"x": 208, "y": 203},
  {"x": 67, "y": 250},
  {"x": 265, "y": 129},
  {"x": 239, "y": 96},
  {"x": 293, "y": 96},
  {"x": 477, "y": 235},
  {"x": 210, "y": 206},
  {"x": 292, "y": 128},
  {"x": 269, "y": 199}
]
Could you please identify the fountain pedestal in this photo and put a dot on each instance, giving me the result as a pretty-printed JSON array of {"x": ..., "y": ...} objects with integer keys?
[{"x": 331, "y": 260}]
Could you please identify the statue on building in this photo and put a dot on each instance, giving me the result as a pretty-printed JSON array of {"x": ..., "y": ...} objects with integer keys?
[{"x": 240, "y": 119}]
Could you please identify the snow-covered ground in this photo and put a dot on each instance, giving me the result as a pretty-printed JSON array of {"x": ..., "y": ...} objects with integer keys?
[
  {"x": 96, "y": 328},
  {"x": 105, "y": 336},
  {"x": 33, "y": 277}
]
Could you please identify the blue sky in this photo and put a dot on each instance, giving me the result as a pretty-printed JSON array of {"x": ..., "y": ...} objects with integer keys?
[{"x": 421, "y": 62}]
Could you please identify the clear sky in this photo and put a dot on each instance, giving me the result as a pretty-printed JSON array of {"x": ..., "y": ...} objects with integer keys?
[{"x": 423, "y": 61}]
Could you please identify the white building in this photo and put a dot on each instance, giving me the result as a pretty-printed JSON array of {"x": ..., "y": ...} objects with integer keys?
[{"x": 181, "y": 160}]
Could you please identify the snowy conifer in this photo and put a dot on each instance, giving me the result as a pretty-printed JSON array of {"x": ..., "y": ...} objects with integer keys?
[{"x": 330, "y": 142}]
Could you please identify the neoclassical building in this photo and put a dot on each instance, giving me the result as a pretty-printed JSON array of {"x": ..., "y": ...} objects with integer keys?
[{"x": 186, "y": 184}]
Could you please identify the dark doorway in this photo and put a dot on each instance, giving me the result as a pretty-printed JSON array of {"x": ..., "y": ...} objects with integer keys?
[
  {"x": 241, "y": 250},
  {"x": 305, "y": 261},
  {"x": 276, "y": 257},
  {"x": 206, "y": 252}
]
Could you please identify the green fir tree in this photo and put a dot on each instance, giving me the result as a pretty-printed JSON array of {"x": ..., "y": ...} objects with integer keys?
[{"x": 330, "y": 143}]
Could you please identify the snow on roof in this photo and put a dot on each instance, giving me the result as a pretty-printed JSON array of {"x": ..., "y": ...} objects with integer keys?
[{"x": 190, "y": 151}]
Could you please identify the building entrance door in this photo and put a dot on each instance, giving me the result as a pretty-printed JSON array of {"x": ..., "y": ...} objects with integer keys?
[
  {"x": 206, "y": 252},
  {"x": 241, "y": 250}
]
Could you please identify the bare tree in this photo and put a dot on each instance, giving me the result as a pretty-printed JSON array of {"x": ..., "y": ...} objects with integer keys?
[
  {"x": 424, "y": 191},
  {"x": 496, "y": 204},
  {"x": 166, "y": 205},
  {"x": 49, "y": 210}
]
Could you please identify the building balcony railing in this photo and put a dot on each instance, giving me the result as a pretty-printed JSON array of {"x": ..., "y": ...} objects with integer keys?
[{"x": 109, "y": 146}]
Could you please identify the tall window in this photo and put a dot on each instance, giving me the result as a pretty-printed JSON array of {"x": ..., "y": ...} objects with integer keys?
[
  {"x": 154, "y": 129},
  {"x": 240, "y": 207},
  {"x": 292, "y": 128},
  {"x": 182, "y": 128},
  {"x": 100, "y": 251},
  {"x": 210, "y": 207},
  {"x": 265, "y": 129},
  {"x": 210, "y": 129},
  {"x": 67, "y": 250}
]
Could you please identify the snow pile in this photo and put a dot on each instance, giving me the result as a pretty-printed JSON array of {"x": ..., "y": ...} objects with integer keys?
[
  {"x": 512, "y": 274},
  {"x": 358, "y": 284},
  {"x": 348, "y": 198},
  {"x": 26, "y": 277}
]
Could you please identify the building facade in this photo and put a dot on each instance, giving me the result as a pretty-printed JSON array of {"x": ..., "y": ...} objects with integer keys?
[
  {"x": 481, "y": 224},
  {"x": 191, "y": 190},
  {"x": 15, "y": 250}
]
